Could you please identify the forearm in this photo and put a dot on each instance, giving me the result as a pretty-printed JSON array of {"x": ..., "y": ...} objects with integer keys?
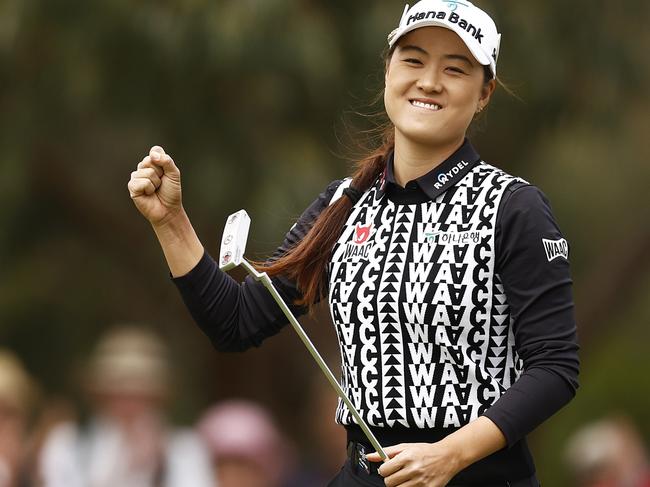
[
  {"x": 437, "y": 463},
  {"x": 537, "y": 395},
  {"x": 234, "y": 316},
  {"x": 180, "y": 244},
  {"x": 474, "y": 441}
]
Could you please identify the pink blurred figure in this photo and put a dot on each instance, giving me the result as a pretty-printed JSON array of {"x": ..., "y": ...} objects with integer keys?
[{"x": 247, "y": 448}]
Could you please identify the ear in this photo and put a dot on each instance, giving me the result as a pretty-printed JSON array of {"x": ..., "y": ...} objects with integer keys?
[
  {"x": 387, "y": 62},
  {"x": 486, "y": 92}
]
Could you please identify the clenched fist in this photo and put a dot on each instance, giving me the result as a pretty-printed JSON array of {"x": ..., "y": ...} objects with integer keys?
[{"x": 155, "y": 187}]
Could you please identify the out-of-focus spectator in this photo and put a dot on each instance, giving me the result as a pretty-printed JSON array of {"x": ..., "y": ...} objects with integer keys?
[
  {"x": 608, "y": 453},
  {"x": 17, "y": 395},
  {"x": 247, "y": 448},
  {"x": 126, "y": 442}
]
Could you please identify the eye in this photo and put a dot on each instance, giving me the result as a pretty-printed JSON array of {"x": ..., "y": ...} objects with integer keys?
[
  {"x": 456, "y": 69},
  {"x": 412, "y": 61}
]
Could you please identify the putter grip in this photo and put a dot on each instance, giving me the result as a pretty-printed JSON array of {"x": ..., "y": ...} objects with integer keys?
[{"x": 233, "y": 242}]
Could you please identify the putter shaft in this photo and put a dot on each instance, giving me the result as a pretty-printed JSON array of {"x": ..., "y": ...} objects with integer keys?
[{"x": 266, "y": 281}]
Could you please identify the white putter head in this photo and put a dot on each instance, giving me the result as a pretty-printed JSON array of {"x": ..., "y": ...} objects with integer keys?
[
  {"x": 231, "y": 255},
  {"x": 233, "y": 242}
]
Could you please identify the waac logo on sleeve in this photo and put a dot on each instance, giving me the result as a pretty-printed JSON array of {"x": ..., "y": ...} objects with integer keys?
[{"x": 556, "y": 248}]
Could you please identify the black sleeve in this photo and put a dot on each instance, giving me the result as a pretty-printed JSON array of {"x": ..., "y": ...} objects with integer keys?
[
  {"x": 532, "y": 261},
  {"x": 237, "y": 316}
]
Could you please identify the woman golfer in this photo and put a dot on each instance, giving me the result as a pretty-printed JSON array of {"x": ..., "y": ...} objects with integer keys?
[{"x": 447, "y": 279}]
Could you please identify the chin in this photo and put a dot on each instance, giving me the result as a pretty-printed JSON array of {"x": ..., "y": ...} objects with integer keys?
[{"x": 429, "y": 136}]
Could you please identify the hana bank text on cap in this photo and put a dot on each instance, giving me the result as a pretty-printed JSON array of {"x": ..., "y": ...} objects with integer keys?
[{"x": 475, "y": 27}]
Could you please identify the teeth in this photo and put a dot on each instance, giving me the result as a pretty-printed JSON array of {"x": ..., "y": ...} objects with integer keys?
[{"x": 428, "y": 106}]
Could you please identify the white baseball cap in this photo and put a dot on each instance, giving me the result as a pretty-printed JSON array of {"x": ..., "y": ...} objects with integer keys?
[{"x": 475, "y": 27}]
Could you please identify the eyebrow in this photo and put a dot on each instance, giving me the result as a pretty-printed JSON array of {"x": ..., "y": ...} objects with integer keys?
[
  {"x": 458, "y": 57},
  {"x": 413, "y": 48}
]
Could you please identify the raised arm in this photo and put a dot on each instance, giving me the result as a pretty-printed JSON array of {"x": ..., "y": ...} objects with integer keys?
[
  {"x": 234, "y": 316},
  {"x": 155, "y": 188}
]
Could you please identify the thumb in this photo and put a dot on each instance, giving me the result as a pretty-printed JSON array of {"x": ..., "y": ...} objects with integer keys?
[
  {"x": 164, "y": 162},
  {"x": 156, "y": 149},
  {"x": 391, "y": 451}
]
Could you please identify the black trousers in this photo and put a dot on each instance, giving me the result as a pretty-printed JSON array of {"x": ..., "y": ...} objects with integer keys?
[{"x": 349, "y": 476}]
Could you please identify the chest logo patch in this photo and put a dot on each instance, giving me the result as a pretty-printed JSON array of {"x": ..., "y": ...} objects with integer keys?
[
  {"x": 361, "y": 234},
  {"x": 453, "y": 238},
  {"x": 556, "y": 248}
]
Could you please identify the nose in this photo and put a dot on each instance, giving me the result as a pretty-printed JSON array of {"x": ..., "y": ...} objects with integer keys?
[{"x": 429, "y": 80}]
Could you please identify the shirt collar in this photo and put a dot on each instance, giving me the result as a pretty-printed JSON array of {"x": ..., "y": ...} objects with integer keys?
[{"x": 443, "y": 176}]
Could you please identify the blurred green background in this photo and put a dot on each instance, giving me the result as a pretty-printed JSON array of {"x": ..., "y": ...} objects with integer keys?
[{"x": 259, "y": 101}]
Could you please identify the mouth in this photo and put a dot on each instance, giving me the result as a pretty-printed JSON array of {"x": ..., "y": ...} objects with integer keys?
[{"x": 427, "y": 105}]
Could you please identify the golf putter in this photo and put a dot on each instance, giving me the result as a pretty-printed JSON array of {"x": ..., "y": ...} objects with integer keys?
[{"x": 233, "y": 244}]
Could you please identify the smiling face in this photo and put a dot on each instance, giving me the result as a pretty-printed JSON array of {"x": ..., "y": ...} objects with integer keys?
[{"x": 434, "y": 87}]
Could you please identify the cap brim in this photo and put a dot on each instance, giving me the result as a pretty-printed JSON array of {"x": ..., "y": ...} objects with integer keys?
[{"x": 478, "y": 54}]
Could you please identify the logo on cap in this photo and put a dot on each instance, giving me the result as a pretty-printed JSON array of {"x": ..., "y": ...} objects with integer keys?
[
  {"x": 454, "y": 18},
  {"x": 453, "y": 4}
]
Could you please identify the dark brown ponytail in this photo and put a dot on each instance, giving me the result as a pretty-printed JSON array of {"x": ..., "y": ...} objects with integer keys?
[{"x": 306, "y": 263}]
